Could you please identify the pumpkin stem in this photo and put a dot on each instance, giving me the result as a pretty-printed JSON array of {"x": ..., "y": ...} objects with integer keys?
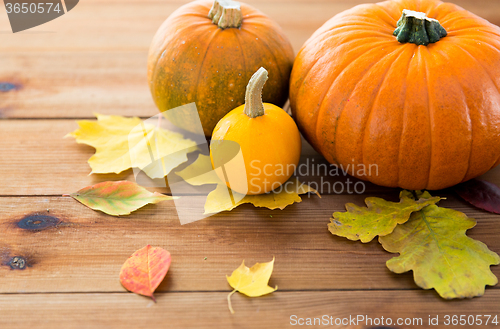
[
  {"x": 226, "y": 14},
  {"x": 253, "y": 97},
  {"x": 415, "y": 27}
]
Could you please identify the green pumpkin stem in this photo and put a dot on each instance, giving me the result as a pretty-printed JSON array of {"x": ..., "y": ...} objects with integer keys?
[
  {"x": 253, "y": 96},
  {"x": 415, "y": 27},
  {"x": 226, "y": 14}
]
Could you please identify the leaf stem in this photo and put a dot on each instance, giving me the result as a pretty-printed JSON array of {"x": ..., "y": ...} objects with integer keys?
[{"x": 229, "y": 301}]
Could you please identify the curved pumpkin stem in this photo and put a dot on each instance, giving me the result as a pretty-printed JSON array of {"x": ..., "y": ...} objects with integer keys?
[
  {"x": 415, "y": 27},
  {"x": 253, "y": 96},
  {"x": 226, "y": 14}
]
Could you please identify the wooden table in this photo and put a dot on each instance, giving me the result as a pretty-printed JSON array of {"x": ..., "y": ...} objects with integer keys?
[{"x": 93, "y": 59}]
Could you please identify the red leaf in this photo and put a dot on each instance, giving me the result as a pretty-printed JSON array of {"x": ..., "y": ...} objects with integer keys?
[
  {"x": 143, "y": 272},
  {"x": 482, "y": 194}
]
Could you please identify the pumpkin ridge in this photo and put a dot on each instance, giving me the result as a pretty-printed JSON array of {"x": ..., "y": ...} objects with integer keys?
[
  {"x": 304, "y": 78},
  {"x": 434, "y": 11},
  {"x": 352, "y": 62},
  {"x": 333, "y": 81},
  {"x": 160, "y": 56},
  {"x": 241, "y": 48},
  {"x": 450, "y": 19},
  {"x": 480, "y": 65},
  {"x": 215, "y": 33},
  {"x": 480, "y": 33},
  {"x": 470, "y": 118},
  {"x": 386, "y": 33},
  {"x": 418, "y": 57},
  {"x": 346, "y": 24},
  {"x": 360, "y": 27},
  {"x": 431, "y": 112},
  {"x": 393, "y": 19},
  {"x": 479, "y": 38},
  {"x": 375, "y": 101},
  {"x": 487, "y": 72},
  {"x": 403, "y": 114},
  {"x": 264, "y": 42}
]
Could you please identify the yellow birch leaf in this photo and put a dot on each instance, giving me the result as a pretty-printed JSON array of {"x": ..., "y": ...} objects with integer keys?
[
  {"x": 219, "y": 200},
  {"x": 200, "y": 172},
  {"x": 433, "y": 244},
  {"x": 252, "y": 282},
  {"x": 222, "y": 198},
  {"x": 122, "y": 143},
  {"x": 380, "y": 217}
]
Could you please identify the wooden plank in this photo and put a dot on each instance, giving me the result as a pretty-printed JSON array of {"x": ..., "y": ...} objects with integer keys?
[
  {"x": 126, "y": 25},
  {"x": 88, "y": 62},
  {"x": 37, "y": 160},
  {"x": 86, "y": 249},
  {"x": 75, "y": 84},
  {"x": 209, "y": 310},
  {"x": 102, "y": 67}
]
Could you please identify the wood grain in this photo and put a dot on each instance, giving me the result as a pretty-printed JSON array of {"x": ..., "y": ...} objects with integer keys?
[
  {"x": 209, "y": 309},
  {"x": 93, "y": 59},
  {"x": 85, "y": 251},
  {"x": 38, "y": 160}
]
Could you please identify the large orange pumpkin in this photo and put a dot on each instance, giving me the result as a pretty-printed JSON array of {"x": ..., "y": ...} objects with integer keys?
[
  {"x": 207, "y": 56},
  {"x": 423, "y": 111}
]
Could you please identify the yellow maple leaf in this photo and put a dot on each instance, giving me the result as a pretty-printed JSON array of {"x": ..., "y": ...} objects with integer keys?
[
  {"x": 252, "y": 282},
  {"x": 200, "y": 172},
  {"x": 122, "y": 143}
]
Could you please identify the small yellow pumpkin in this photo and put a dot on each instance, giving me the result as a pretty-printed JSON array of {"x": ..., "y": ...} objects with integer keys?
[{"x": 267, "y": 138}]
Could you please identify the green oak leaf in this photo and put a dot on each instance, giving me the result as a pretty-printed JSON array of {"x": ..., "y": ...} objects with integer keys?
[
  {"x": 380, "y": 217},
  {"x": 433, "y": 244},
  {"x": 117, "y": 198}
]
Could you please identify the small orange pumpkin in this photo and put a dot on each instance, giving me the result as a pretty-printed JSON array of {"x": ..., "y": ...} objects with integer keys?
[
  {"x": 406, "y": 92},
  {"x": 206, "y": 51},
  {"x": 268, "y": 139}
]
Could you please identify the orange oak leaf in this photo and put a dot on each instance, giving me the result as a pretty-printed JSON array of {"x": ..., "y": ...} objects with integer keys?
[{"x": 143, "y": 272}]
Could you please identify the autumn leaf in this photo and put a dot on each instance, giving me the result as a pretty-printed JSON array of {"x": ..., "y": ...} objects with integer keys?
[
  {"x": 200, "y": 172},
  {"x": 252, "y": 282},
  {"x": 143, "y": 272},
  {"x": 223, "y": 199},
  {"x": 380, "y": 217},
  {"x": 117, "y": 198},
  {"x": 219, "y": 200},
  {"x": 122, "y": 143},
  {"x": 481, "y": 194},
  {"x": 433, "y": 244}
]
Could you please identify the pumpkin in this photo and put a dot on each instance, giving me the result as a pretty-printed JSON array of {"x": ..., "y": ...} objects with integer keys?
[
  {"x": 264, "y": 134},
  {"x": 206, "y": 51},
  {"x": 404, "y": 93}
]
